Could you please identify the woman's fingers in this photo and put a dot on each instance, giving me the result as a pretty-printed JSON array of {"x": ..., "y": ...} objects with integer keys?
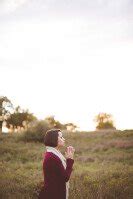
[
  {"x": 69, "y": 152},
  {"x": 70, "y": 149}
]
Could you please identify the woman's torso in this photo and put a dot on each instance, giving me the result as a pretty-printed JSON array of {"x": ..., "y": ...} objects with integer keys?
[{"x": 54, "y": 183}]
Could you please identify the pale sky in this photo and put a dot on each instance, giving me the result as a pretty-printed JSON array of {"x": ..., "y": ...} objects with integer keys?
[{"x": 68, "y": 58}]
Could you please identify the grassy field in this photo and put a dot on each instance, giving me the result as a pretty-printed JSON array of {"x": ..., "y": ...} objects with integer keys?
[{"x": 103, "y": 166}]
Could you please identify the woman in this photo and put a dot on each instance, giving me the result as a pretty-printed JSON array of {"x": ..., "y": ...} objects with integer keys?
[{"x": 56, "y": 168}]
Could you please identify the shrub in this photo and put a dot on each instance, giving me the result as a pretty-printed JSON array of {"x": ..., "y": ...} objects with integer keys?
[{"x": 36, "y": 132}]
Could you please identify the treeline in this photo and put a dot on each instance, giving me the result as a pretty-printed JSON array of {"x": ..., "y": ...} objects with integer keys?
[{"x": 18, "y": 119}]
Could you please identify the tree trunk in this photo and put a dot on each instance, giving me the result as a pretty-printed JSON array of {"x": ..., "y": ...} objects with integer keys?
[{"x": 1, "y": 127}]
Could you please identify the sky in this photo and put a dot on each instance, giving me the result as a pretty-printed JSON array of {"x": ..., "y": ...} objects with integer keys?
[{"x": 68, "y": 58}]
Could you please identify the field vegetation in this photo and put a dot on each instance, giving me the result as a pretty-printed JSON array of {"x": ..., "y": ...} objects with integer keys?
[{"x": 103, "y": 165}]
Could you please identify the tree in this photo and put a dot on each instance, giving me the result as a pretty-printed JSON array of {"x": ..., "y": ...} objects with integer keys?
[
  {"x": 104, "y": 121},
  {"x": 71, "y": 127},
  {"x": 5, "y": 103},
  {"x": 20, "y": 118},
  {"x": 54, "y": 123}
]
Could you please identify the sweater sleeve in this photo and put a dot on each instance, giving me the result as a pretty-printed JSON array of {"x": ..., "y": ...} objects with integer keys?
[{"x": 62, "y": 172}]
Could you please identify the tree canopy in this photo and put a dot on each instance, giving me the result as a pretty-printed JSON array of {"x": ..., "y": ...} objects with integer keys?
[
  {"x": 5, "y": 104},
  {"x": 56, "y": 124},
  {"x": 20, "y": 118},
  {"x": 104, "y": 121}
]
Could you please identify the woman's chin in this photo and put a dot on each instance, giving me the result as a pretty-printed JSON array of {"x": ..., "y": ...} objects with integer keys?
[{"x": 63, "y": 145}]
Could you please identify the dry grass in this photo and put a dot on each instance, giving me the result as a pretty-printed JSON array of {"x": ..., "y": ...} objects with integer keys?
[{"x": 103, "y": 166}]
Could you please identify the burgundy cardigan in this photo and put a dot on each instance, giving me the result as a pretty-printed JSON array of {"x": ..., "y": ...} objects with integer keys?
[{"x": 55, "y": 177}]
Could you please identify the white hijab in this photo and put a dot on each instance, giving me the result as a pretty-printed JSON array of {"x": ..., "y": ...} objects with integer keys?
[{"x": 63, "y": 160}]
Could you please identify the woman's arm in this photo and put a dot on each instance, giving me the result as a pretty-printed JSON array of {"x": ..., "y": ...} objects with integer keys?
[
  {"x": 62, "y": 172},
  {"x": 53, "y": 165}
]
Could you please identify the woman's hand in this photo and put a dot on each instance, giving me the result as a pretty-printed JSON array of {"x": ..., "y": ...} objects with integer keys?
[{"x": 70, "y": 152}]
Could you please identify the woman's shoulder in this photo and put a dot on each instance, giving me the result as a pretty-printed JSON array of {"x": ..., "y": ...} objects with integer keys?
[{"x": 49, "y": 156}]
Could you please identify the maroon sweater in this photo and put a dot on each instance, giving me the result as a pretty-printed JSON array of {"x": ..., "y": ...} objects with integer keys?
[{"x": 55, "y": 177}]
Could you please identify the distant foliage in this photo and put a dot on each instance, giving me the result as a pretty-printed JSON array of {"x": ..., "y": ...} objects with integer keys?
[
  {"x": 56, "y": 124},
  {"x": 5, "y": 104},
  {"x": 104, "y": 121},
  {"x": 71, "y": 127},
  {"x": 20, "y": 118},
  {"x": 36, "y": 131}
]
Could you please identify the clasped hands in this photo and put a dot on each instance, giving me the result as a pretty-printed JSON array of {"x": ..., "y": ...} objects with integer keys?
[{"x": 70, "y": 152}]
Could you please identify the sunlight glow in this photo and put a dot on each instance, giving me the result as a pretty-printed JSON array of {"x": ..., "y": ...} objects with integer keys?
[{"x": 72, "y": 68}]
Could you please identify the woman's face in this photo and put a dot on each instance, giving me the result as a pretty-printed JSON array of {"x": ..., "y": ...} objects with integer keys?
[{"x": 61, "y": 140}]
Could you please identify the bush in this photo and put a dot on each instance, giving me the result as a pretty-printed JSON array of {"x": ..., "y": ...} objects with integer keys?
[{"x": 36, "y": 132}]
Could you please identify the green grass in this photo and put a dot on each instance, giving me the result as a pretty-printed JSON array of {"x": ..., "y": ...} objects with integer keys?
[{"x": 102, "y": 170}]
